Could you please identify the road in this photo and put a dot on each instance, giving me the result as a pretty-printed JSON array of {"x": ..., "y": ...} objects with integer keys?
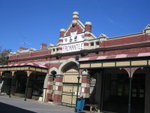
[{"x": 18, "y": 105}]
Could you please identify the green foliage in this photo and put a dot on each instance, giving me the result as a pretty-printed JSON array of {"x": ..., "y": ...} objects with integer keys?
[{"x": 4, "y": 56}]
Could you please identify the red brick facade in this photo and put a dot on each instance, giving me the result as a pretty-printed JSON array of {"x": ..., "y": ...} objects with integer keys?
[{"x": 57, "y": 60}]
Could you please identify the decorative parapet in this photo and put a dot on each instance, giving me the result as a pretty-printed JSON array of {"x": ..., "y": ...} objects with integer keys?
[{"x": 147, "y": 29}]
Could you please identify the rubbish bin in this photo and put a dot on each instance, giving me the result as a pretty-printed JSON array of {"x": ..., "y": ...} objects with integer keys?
[{"x": 80, "y": 104}]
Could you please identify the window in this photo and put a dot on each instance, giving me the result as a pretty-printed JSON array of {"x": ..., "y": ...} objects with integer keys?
[
  {"x": 75, "y": 39},
  {"x": 70, "y": 40},
  {"x": 57, "y": 49},
  {"x": 97, "y": 43},
  {"x": 92, "y": 43}
]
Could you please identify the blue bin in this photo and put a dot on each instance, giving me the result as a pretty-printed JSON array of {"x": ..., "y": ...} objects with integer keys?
[{"x": 80, "y": 104}]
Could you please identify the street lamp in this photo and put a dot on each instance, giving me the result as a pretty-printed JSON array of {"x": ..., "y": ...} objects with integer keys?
[{"x": 78, "y": 78}]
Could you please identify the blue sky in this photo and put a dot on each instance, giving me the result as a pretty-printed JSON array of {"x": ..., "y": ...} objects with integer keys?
[{"x": 29, "y": 23}]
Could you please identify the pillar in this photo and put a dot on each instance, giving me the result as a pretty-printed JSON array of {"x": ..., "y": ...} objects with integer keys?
[
  {"x": 50, "y": 90},
  {"x": 11, "y": 84},
  {"x": 98, "y": 85},
  {"x": 27, "y": 83},
  {"x": 1, "y": 83},
  {"x": 57, "y": 97},
  {"x": 85, "y": 85},
  {"x": 1, "y": 73},
  {"x": 147, "y": 91},
  {"x": 130, "y": 72}
]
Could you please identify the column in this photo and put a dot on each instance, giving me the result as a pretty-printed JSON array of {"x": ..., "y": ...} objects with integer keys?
[
  {"x": 130, "y": 72},
  {"x": 11, "y": 83},
  {"x": 147, "y": 91},
  {"x": 50, "y": 90},
  {"x": 85, "y": 85},
  {"x": 27, "y": 83},
  {"x": 1, "y": 73},
  {"x": 98, "y": 85},
  {"x": 58, "y": 88}
]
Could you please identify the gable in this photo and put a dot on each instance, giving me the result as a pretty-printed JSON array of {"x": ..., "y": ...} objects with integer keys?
[{"x": 77, "y": 26}]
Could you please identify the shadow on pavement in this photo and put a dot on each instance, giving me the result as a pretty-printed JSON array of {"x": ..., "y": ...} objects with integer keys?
[{"x": 5, "y": 108}]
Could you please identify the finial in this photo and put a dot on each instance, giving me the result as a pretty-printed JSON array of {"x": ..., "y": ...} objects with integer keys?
[{"x": 75, "y": 15}]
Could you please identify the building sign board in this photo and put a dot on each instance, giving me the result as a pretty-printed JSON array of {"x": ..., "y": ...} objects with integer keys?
[
  {"x": 72, "y": 47},
  {"x": 72, "y": 43}
]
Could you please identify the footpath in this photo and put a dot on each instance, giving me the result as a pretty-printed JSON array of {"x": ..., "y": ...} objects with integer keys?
[{"x": 18, "y": 105}]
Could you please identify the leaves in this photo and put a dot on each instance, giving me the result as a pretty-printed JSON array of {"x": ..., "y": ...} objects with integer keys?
[{"x": 4, "y": 56}]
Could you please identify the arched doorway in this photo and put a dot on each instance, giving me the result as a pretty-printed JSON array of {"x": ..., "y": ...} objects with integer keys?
[{"x": 70, "y": 83}]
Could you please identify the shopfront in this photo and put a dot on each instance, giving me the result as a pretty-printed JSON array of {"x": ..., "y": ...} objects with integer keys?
[
  {"x": 121, "y": 84},
  {"x": 23, "y": 80}
]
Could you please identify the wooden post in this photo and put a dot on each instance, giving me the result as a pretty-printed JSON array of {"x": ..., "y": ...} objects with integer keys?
[
  {"x": 1, "y": 73},
  {"x": 12, "y": 73},
  {"x": 26, "y": 90}
]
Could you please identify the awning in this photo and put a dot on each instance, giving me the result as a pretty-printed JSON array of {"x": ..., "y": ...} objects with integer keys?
[
  {"x": 120, "y": 60},
  {"x": 119, "y": 56},
  {"x": 24, "y": 67}
]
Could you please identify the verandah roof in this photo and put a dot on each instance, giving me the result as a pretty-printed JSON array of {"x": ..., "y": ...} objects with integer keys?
[
  {"x": 119, "y": 60},
  {"x": 118, "y": 56},
  {"x": 24, "y": 66}
]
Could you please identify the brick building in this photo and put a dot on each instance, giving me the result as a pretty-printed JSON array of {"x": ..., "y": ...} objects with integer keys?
[{"x": 112, "y": 73}]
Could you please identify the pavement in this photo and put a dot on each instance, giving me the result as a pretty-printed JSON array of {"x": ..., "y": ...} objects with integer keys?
[{"x": 18, "y": 105}]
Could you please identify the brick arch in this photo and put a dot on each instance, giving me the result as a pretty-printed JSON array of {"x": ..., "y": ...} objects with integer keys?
[{"x": 71, "y": 60}]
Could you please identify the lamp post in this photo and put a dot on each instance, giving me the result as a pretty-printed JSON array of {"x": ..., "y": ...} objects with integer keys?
[
  {"x": 77, "y": 91},
  {"x": 78, "y": 78}
]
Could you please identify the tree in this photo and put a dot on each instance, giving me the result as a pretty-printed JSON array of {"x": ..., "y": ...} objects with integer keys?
[{"x": 4, "y": 54}]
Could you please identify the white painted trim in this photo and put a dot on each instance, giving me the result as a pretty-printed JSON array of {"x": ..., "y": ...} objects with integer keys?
[
  {"x": 53, "y": 69},
  {"x": 46, "y": 81}
]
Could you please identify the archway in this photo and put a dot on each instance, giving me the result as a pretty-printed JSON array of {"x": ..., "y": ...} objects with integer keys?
[{"x": 70, "y": 83}]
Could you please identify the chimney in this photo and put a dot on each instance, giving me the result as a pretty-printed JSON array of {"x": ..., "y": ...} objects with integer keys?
[
  {"x": 62, "y": 32},
  {"x": 43, "y": 46},
  {"x": 88, "y": 26},
  {"x": 22, "y": 48}
]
